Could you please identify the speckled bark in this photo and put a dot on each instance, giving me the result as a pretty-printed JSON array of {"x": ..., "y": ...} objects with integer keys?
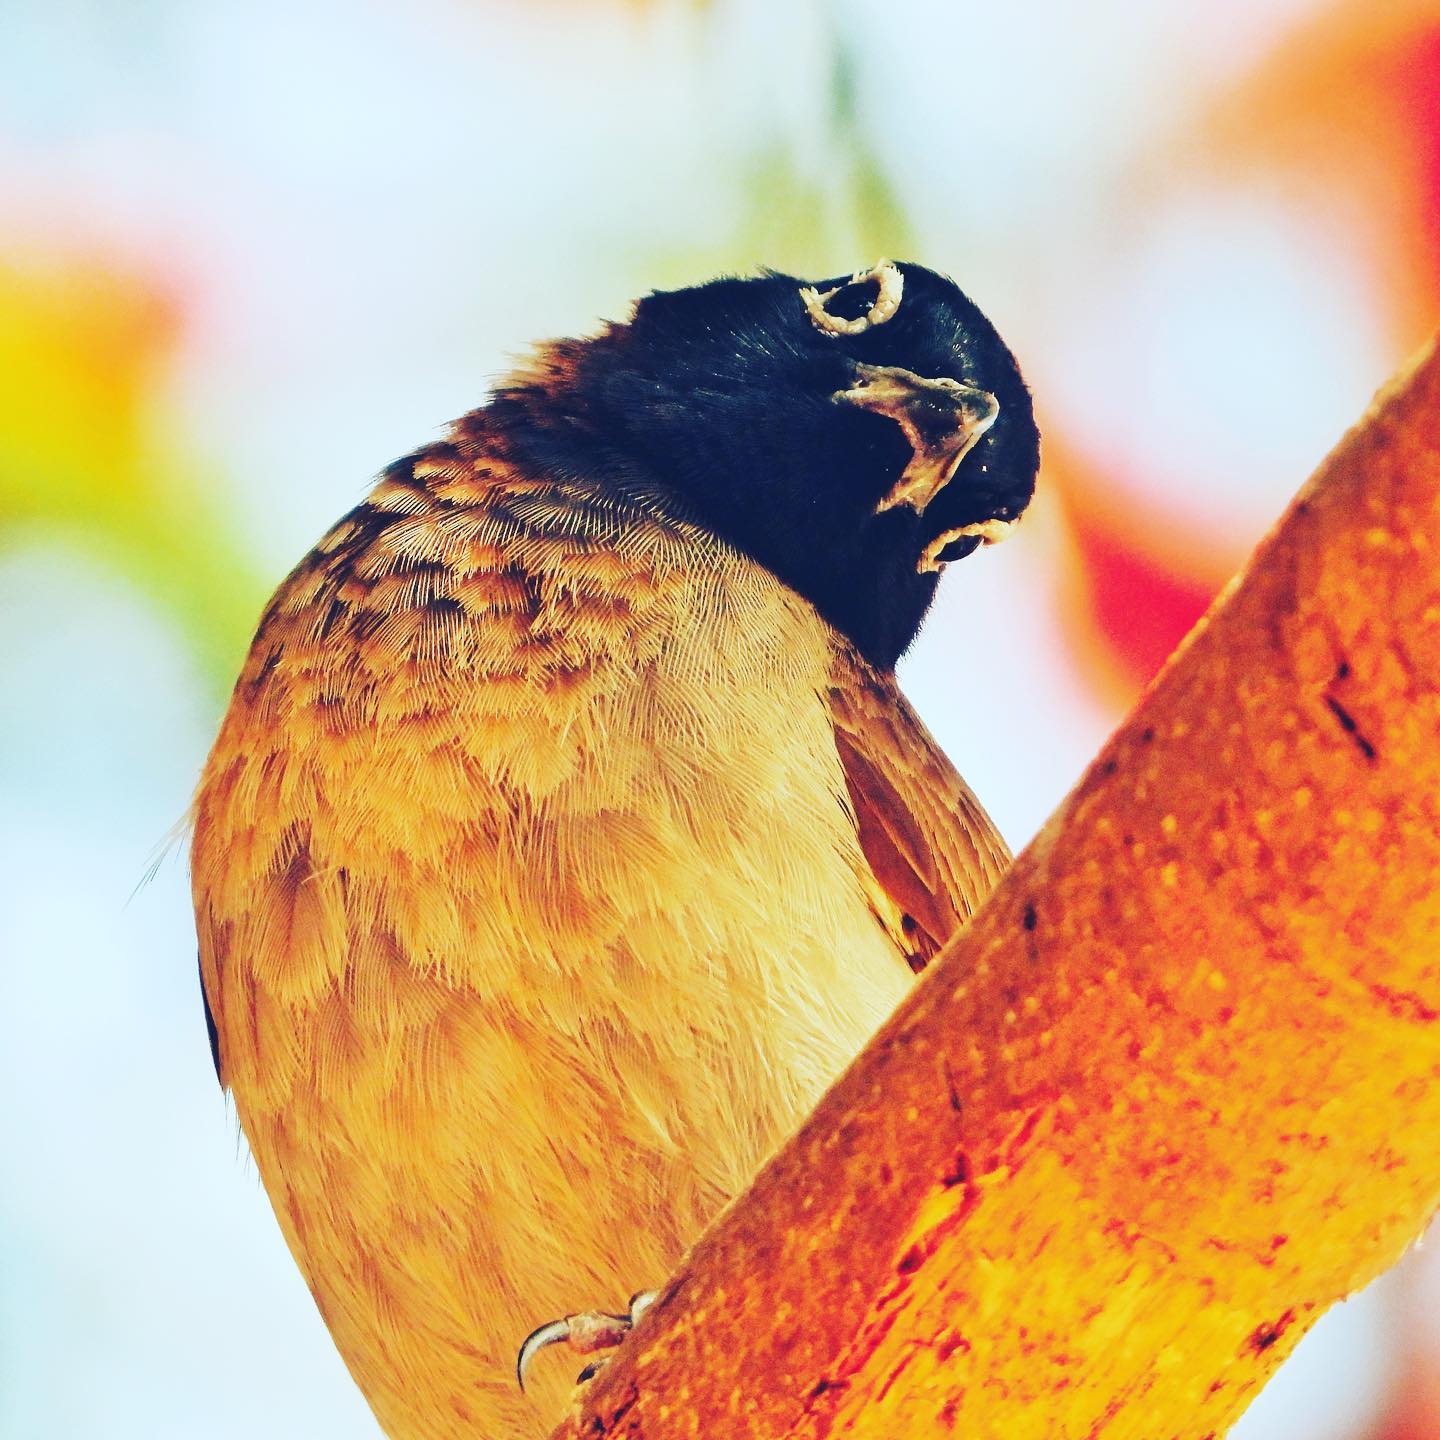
[{"x": 1174, "y": 1091}]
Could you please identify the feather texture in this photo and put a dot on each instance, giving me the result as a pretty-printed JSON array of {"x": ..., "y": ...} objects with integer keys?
[
  {"x": 933, "y": 851},
  {"x": 552, "y": 858}
]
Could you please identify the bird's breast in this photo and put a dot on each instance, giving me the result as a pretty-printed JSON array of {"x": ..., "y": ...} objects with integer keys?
[{"x": 531, "y": 908}]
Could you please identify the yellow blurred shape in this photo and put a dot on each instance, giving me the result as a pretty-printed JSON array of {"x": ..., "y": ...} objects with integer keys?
[{"x": 87, "y": 454}]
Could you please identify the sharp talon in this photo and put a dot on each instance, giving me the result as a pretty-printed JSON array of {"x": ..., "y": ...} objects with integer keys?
[
  {"x": 551, "y": 1333},
  {"x": 586, "y": 1332}
]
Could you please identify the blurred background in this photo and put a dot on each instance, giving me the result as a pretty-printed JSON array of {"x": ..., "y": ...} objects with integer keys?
[{"x": 249, "y": 252}]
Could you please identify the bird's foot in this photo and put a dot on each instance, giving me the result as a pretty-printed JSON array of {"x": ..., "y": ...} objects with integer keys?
[{"x": 587, "y": 1332}]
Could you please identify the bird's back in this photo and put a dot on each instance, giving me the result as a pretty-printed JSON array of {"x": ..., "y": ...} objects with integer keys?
[{"x": 532, "y": 910}]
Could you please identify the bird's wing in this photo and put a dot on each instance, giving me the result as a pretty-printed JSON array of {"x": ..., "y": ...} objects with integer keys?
[{"x": 933, "y": 851}]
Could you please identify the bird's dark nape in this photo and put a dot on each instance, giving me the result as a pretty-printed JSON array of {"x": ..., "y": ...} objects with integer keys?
[{"x": 728, "y": 399}]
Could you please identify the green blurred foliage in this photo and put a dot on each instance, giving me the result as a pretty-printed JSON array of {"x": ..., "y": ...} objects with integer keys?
[{"x": 808, "y": 222}]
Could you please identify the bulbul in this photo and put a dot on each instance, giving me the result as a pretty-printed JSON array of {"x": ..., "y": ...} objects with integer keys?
[{"x": 567, "y": 834}]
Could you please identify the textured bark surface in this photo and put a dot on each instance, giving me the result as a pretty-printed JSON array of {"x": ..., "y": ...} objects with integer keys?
[{"x": 1173, "y": 1092}]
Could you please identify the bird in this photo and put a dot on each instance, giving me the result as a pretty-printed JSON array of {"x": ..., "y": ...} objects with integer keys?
[{"x": 567, "y": 832}]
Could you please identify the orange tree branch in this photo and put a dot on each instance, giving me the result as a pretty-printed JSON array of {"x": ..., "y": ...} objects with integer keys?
[{"x": 1177, "y": 1087}]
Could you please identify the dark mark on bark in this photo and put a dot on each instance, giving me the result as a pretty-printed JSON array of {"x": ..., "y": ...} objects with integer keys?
[
  {"x": 1032, "y": 918},
  {"x": 1264, "y": 1336},
  {"x": 1348, "y": 725},
  {"x": 912, "y": 1349},
  {"x": 950, "y": 1344},
  {"x": 956, "y": 1103},
  {"x": 600, "y": 1425},
  {"x": 959, "y": 1172},
  {"x": 1404, "y": 1005}
]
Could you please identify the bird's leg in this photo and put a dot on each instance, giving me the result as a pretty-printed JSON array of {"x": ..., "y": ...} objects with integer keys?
[{"x": 587, "y": 1332}]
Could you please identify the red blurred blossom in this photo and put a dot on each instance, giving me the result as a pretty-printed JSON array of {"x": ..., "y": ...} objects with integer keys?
[{"x": 1136, "y": 583}]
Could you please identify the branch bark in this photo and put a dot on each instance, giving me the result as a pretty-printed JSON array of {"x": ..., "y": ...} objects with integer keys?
[{"x": 1173, "y": 1092}]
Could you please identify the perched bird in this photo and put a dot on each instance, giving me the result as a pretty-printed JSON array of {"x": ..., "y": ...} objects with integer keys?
[{"x": 567, "y": 833}]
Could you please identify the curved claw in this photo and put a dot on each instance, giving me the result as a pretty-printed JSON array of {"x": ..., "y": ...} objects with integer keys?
[
  {"x": 551, "y": 1333},
  {"x": 587, "y": 1332}
]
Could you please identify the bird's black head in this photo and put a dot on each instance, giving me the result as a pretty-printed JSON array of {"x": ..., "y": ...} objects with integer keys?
[{"x": 852, "y": 436}]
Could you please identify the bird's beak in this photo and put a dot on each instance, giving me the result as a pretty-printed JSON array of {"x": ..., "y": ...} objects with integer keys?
[{"x": 942, "y": 420}]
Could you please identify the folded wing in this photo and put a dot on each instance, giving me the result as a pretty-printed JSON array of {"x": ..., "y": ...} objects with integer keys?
[{"x": 933, "y": 851}]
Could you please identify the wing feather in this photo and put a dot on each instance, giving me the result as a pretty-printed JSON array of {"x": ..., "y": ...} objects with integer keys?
[{"x": 933, "y": 851}]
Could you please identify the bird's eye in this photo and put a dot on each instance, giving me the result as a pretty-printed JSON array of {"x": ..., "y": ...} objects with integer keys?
[
  {"x": 855, "y": 299},
  {"x": 867, "y": 298}
]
